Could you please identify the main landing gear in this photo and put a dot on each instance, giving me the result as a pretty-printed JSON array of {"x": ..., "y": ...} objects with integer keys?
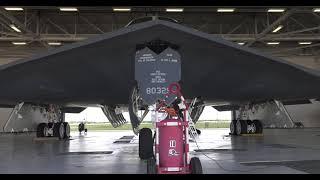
[
  {"x": 239, "y": 127},
  {"x": 60, "y": 130}
]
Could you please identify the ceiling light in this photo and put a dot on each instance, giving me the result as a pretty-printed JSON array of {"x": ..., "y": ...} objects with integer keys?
[
  {"x": 316, "y": 10},
  {"x": 174, "y": 9},
  {"x": 13, "y": 9},
  {"x": 276, "y": 10},
  {"x": 277, "y": 29},
  {"x": 54, "y": 43},
  {"x": 273, "y": 43},
  {"x": 241, "y": 43},
  {"x": 15, "y": 28},
  {"x": 121, "y": 9},
  {"x": 19, "y": 43},
  {"x": 304, "y": 43},
  {"x": 68, "y": 9},
  {"x": 225, "y": 10}
]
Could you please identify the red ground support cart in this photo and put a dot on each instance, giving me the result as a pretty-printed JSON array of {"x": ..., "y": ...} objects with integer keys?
[{"x": 172, "y": 140}]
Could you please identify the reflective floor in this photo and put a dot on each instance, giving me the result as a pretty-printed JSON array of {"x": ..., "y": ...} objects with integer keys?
[{"x": 278, "y": 151}]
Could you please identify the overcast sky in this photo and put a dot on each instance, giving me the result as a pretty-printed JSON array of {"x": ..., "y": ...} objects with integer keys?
[{"x": 96, "y": 115}]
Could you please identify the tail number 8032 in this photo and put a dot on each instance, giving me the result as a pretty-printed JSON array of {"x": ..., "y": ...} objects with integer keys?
[{"x": 157, "y": 90}]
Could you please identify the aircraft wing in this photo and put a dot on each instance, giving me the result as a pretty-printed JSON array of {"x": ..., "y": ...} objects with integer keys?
[{"x": 100, "y": 70}]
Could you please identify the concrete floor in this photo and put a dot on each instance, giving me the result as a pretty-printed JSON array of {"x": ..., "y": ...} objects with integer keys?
[{"x": 278, "y": 151}]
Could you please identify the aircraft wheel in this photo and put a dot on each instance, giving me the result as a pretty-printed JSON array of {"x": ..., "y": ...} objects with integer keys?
[
  {"x": 50, "y": 125},
  {"x": 233, "y": 127},
  {"x": 241, "y": 127},
  {"x": 58, "y": 130},
  {"x": 66, "y": 130},
  {"x": 42, "y": 130},
  {"x": 151, "y": 166},
  {"x": 259, "y": 127},
  {"x": 195, "y": 166},
  {"x": 145, "y": 143},
  {"x": 252, "y": 127}
]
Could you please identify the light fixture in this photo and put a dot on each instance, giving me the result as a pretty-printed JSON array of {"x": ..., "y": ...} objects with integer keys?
[
  {"x": 13, "y": 8},
  {"x": 54, "y": 43},
  {"x": 316, "y": 10},
  {"x": 277, "y": 29},
  {"x": 14, "y": 28},
  {"x": 273, "y": 43},
  {"x": 276, "y": 10},
  {"x": 122, "y": 9},
  {"x": 241, "y": 43},
  {"x": 68, "y": 9},
  {"x": 225, "y": 10},
  {"x": 174, "y": 9},
  {"x": 305, "y": 43},
  {"x": 19, "y": 43}
]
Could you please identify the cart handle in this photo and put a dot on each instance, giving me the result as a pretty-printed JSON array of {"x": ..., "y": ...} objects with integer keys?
[{"x": 174, "y": 88}]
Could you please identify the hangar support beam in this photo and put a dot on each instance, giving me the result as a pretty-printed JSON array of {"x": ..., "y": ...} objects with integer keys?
[
  {"x": 272, "y": 26},
  {"x": 15, "y": 21},
  {"x": 230, "y": 37}
]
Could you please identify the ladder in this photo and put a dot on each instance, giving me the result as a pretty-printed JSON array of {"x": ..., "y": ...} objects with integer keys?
[
  {"x": 13, "y": 112},
  {"x": 192, "y": 129},
  {"x": 282, "y": 108}
]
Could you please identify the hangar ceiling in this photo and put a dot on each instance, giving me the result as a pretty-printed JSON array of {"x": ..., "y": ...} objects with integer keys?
[{"x": 42, "y": 28}]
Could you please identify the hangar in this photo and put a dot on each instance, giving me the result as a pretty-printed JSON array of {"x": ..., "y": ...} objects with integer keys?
[{"x": 58, "y": 60}]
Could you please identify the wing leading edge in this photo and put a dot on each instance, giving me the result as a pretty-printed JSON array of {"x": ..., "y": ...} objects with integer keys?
[{"x": 100, "y": 70}]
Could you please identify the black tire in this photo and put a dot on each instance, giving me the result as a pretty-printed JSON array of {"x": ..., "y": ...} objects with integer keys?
[
  {"x": 145, "y": 143},
  {"x": 151, "y": 166},
  {"x": 259, "y": 127},
  {"x": 58, "y": 130},
  {"x": 198, "y": 131},
  {"x": 66, "y": 130},
  {"x": 233, "y": 127},
  {"x": 241, "y": 127},
  {"x": 40, "y": 129},
  {"x": 50, "y": 125},
  {"x": 195, "y": 165}
]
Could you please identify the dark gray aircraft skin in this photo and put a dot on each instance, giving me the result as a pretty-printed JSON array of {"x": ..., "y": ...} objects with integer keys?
[{"x": 100, "y": 70}]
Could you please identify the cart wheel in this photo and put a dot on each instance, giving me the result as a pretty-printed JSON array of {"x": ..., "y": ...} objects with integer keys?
[
  {"x": 151, "y": 166},
  {"x": 198, "y": 131},
  {"x": 145, "y": 143},
  {"x": 41, "y": 130},
  {"x": 196, "y": 167},
  {"x": 259, "y": 127}
]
